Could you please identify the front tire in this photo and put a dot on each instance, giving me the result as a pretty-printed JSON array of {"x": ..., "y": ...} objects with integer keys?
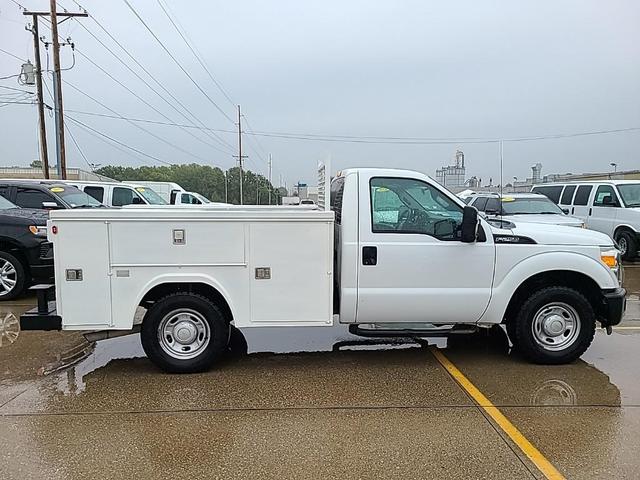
[
  {"x": 555, "y": 325},
  {"x": 628, "y": 245},
  {"x": 184, "y": 333},
  {"x": 13, "y": 277}
]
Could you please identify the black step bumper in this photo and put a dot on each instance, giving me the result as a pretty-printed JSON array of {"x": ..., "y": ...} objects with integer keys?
[
  {"x": 614, "y": 303},
  {"x": 44, "y": 316}
]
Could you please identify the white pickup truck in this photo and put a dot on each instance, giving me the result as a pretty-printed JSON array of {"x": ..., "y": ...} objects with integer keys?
[{"x": 398, "y": 255}]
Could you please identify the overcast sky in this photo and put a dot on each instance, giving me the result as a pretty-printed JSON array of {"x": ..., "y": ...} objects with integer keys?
[{"x": 436, "y": 69}]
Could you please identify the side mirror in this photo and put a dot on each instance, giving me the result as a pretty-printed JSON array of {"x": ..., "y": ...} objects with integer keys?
[
  {"x": 51, "y": 206},
  {"x": 137, "y": 201},
  {"x": 608, "y": 201},
  {"x": 491, "y": 212},
  {"x": 565, "y": 211},
  {"x": 469, "y": 229}
]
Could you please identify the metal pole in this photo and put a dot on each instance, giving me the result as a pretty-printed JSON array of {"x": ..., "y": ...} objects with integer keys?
[
  {"x": 270, "y": 186},
  {"x": 57, "y": 89},
  {"x": 44, "y": 155},
  {"x": 239, "y": 150},
  {"x": 226, "y": 192}
]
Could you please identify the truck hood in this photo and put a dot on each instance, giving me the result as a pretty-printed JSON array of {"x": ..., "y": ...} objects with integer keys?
[
  {"x": 32, "y": 216},
  {"x": 547, "y": 234},
  {"x": 549, "y": 219}
]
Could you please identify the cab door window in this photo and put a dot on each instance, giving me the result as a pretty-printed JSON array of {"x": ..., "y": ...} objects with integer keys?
[
  {"x": 403, "y": 205},
  {"x": 567, "y": 195},
  {"x": 125, "y": 196},
  {"x": 605, "y": 197},
  {"x": 480, "y": 203},
  {"x": 95, "y": 192}
]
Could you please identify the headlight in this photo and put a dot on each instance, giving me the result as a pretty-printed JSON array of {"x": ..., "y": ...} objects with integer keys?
[
  {"x": 610, "y": 256},
  {"x": 38, "y": 231}
]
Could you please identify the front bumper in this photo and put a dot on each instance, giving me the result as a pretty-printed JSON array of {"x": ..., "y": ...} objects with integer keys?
[{"x": 614, "y": 303}]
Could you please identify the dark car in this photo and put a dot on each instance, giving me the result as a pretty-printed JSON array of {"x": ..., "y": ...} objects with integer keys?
[
  {"x": 25, "y": 254},
  {"x": 45, "y": 195}
]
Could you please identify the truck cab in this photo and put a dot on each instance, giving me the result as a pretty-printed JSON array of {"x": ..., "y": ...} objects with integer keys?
[{"x": 394, "y": 254}]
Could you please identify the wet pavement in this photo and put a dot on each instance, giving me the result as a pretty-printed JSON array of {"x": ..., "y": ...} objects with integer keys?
[{"x": 332, "y": 407}]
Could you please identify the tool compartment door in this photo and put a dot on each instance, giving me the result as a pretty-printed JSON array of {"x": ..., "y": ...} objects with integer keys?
[
  {"x": 291, "y": 276},
  {"x": 83, "y": 247}
]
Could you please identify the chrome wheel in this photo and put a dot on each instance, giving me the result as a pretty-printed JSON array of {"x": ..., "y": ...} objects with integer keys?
[
  {"x": 556, "y": 326},
  {"x": 8, "y": 277},
  {"x": 623, "y": 245},
  {"x": 184, "y": 334},
  {"x": 9, "y": 329}
]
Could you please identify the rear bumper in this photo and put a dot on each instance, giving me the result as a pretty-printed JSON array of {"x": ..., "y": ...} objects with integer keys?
[
  {"x": 44, "y": 316},
  {"x": 614, "y": 303}
]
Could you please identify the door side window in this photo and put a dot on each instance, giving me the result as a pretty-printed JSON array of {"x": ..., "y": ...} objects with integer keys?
[
  {"x": 95, "y": 192},
  {"x": 4, "y": 191},
  {"x": 480, "y": 203},
  {"x": 567, "y": 195},
  {"x": 33, "y": 198},
  {"x": 125, "y": 196},
  {"x": 582, "y": 195},
  {"x": 404, "y": 205},
  {"x": 493, "y": 206},
  {"x": 605, "y": 197}
]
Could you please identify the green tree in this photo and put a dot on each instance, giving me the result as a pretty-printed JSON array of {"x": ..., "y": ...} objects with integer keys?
[{"x": 206, "y": 180}]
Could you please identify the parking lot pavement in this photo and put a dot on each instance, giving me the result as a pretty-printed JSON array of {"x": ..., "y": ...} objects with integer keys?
[{"x": 355, "y": 412}]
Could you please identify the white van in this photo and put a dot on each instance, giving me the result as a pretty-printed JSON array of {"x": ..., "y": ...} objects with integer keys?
[
  {"x": 117, "y": 194},
  {"x": 611, "y": 207}
]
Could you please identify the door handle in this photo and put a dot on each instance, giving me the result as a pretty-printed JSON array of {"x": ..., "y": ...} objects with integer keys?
[
  {"x": 573, "y": 209},
  {"x": 369, "y": 255},
  {"x": 590, "y": 210}
]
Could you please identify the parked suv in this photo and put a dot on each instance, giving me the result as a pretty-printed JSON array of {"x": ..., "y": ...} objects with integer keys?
[
  {"x": 611, "y": 207},
  {"x": 45, "y": 195},
  {"x": 523, "y": 207},
  {"x": 25, "y": 254}
]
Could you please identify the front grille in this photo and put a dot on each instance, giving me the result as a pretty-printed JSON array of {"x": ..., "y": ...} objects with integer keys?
[{"x": 46, "y": 250}]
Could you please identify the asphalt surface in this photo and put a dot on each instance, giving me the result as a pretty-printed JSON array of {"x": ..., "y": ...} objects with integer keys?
[{"x": 332, "y": 407}]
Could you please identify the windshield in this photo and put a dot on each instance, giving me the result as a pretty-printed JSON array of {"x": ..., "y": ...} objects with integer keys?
[
  {"x": 529, "y": 206},
  {"x": 75, "y": 197},
  {"x": 202, "y": 198},
  {"x": 150, "y": 196},
  {"x": 630, "y": 194},
  {"x": 4, "y": 203}
]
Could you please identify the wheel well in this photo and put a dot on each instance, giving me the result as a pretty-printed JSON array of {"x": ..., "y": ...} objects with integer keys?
[
  {"x": 560, "y": 278},
  {"x": 164, "y": 289},
  {"x": 15, "y": 250},
  {"x": 622, "y": 228}
]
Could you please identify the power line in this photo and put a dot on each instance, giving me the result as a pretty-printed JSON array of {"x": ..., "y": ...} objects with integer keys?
[
  {"x": 395, "y": 140},
  {"x": 16, "y": 89},
  {"x": 12, "y": 55},
  {"x": 176, "y": 61},
  {"x": 193, "y": 49},
  {"x": 162, "y": 97},
  {"x": 140, "y": 152},
  {"x": 136, "y": 125},
  {"x": 75, "y": 142},
  {"x": 134, "y": 93}
]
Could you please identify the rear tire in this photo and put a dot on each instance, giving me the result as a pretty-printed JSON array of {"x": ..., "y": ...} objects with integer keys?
[
  {"x": 184, "y": 333},
  {"x": 13, "y": 277},
  {"x": 555, "y": 325},
  {"x": 628, "y": 245}
]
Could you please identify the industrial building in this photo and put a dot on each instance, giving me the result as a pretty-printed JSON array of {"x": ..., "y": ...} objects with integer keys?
[{"x": 453, "y": 176}]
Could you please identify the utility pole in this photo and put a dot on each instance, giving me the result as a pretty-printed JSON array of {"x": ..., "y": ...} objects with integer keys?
[
  {"x": 57, "y": 81},
  {"x": 270, "y": 186},
  {"x": 226, "y": 192},
  {"x": 44, "y": 154},
  {"x": 240, "y": 157}
]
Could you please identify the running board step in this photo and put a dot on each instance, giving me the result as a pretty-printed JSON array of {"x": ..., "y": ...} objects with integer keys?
[{"x": 410, "y": 332}]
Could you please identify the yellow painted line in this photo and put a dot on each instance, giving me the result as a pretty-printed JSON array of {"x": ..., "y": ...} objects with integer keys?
[
  {"x": 538, "y": 459},
  {"x": 626, "y": 328}
]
